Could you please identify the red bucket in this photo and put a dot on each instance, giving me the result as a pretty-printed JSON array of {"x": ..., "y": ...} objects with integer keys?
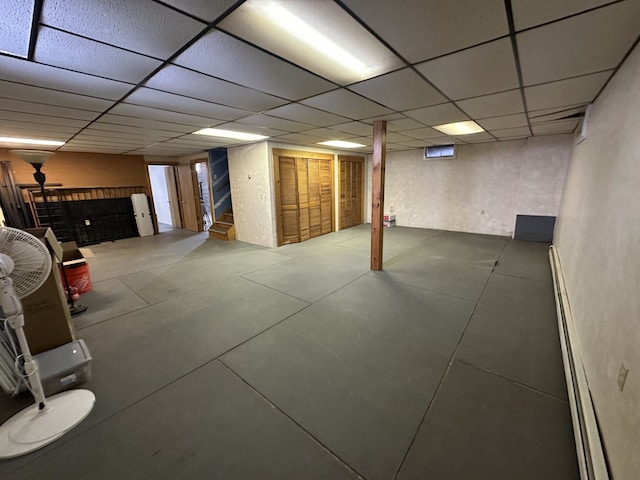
[{"x": 78, "y": 277}]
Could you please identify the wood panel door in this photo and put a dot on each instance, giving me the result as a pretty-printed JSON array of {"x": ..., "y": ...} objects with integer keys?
[
  {"x": 351, "y": 190},
  {"x": 189, "y": 198},
  {"x": 304, "y": 195}
]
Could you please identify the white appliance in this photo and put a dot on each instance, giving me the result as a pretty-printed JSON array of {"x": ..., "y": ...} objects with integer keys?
[{"x": 142, "y": 212}]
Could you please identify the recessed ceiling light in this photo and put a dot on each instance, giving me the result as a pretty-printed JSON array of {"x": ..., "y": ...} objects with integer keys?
[
  {"x": 460, "y": 128},
  {"x": 341, "y": 144},
  {"x": 31, "y": 141},
  {"x": 218, "y": 132},
  {"x": 318, "y": 35}
]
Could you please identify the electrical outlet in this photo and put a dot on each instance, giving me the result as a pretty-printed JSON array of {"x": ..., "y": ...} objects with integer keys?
[{"x": 622, "y": 376}]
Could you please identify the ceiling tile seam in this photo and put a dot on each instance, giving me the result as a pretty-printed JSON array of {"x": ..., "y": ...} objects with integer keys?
[
  {"x": 56, "y": 89},
  {"x": 577, "y": 76},
  {"x": 615, "y": 70},
  {"x": 35, "y": 22},
  {"x": 101, "y": 42},
  {"x": 182, "y": 12},
  {"x": 588, "y": 10},
  {"x": 401, "y": 57},
  {"x": 278, "y": 57},
  {"x": 168, "y": 61},
  {"x": 54, "y": 116},
  {"x": 226, "y": 81},
  {"x": 562, "y": 110},
  {"x": 163, "y": 129},
  {"x": 78, "y": 71},
  {"x": 516, "y": 57},
  {"x": 249, "y": 112},
  {"x": 167, "y": 110},
  {"x": 52, "y": 105}
]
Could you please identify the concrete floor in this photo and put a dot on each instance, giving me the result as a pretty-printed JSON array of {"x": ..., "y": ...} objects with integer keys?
[{"x": 223, "y": 360}]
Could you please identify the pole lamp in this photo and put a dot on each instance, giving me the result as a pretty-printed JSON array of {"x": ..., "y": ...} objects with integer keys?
[{"x": 36, "y": 159}]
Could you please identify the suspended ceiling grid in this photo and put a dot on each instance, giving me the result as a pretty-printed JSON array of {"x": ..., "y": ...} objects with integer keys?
[{"x": 124, "y": 77}]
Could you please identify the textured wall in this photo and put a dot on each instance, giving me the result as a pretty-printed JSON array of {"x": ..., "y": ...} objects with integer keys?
[
  {"x": 481, "y": 190},
  {"x": 251, "y": 178},
  {"x": 598, "y": 239}
]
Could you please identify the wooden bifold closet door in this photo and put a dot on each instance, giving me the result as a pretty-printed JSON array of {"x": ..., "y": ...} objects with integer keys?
[
  {"x": 351, "y": 191},
  {"x": 304, "y": 195}
]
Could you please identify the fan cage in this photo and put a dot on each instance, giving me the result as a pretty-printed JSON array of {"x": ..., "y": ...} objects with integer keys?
[{"x": 32, "y": 261}]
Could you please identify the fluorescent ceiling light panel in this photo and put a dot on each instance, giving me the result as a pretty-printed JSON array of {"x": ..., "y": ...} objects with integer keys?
[
  {"x": 318, "y": 35},
  {"x": 218, "y": 132},
  {"x": 15, "y": 27},
  {"x": 341, "y": 144},
  {"x": 459, "y": 128},
  {"x": 30, "y": 141}
]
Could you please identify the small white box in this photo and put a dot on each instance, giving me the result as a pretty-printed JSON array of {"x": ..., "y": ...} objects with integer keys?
[{"x": 64, "y": 367}]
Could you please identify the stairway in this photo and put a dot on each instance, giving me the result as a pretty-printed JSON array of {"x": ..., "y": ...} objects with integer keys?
[{"x": 223, "y": 228}]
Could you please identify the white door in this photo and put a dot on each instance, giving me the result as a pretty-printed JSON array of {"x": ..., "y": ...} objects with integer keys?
[{"x": 142, "y": 213}]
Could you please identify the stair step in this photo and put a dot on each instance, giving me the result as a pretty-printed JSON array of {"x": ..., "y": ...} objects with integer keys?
[
  {"x": 227, "y": 217},
  {"x": 220, "y": 224}
]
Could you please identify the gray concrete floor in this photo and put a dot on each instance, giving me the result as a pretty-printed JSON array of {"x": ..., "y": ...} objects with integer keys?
[{"x": 223, "y": 360}]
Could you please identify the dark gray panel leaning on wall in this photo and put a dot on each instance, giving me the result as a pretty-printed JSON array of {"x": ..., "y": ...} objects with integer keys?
[{"x": 535, "y": 228}]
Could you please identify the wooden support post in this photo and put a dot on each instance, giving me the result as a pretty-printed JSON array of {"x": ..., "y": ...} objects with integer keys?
[{"x": 377, "y": 192}]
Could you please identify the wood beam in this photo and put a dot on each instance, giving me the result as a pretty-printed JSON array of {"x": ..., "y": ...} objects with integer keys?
[{"x": 377, "y": 192}]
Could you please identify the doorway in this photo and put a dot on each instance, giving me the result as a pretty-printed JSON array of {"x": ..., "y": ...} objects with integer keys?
[
  {"x": 351, "y": 190},
  {"x": 165, "y": 196},
  {"x": 304, "y": 195}
]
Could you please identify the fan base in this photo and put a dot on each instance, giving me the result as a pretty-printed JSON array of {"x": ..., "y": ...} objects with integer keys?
[{"x": 32, "y": 428}]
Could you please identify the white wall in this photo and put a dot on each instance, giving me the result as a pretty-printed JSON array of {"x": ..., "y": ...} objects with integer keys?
[
  {"x": 598, "y": 239},
  {"x": 481, "y": 190},
  {"x": 251, "y": 179}
]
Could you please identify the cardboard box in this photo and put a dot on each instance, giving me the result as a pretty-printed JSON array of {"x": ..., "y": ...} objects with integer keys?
[
  {"x": 71, "y": 254},
  {"x": 47, "y": 321},
  {"x": 75, "y": 267}
]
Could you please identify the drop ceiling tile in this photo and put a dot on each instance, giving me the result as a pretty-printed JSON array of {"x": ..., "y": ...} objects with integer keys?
[
  {"x": 259, "y": 130},
  {"x": 88, "y": 139},
  {"x": 181, "y": 81},
  {"x": 587, "y": 43},
  {"x": 319, "y": 36},
  {"x": 146, "y": 123},
  {"x": 328, "y": 133},
  {"x": 387, "y": 118},
  {"x": 81, "y": 55},
  {"x": 495, "y": 105},
  {"x": 299, "y": 138},
  {"x": 550, "y": 114},
  {"x": 555, "y": 128},
  {"x": 197, "y": 141},
  {"x": 304, "y": 114},
  {"x": 150, "y": 113},
  {"x": 27, "y": 128},
  {"x": 519, "y": 132},
  {"x": 47, "y": 96},
  {"x": 273, "y": 122},
  {"x": 403, "y": 124},
  {"x": 475, "y": 138},
  {"x": 238, "y": 62},
  {"x": 91, "y": 149},
  {"x": 120, "y": 131},
  {"x": 145, "y": 27},
  {"x": 42, "y": 119},
  {"x": 528, "y": 14},
  {"x": 505, "y": 121},
  {"x": 444, "y": 140},
  {"x": 481, "y": 70},
  {"x": 354, "y": 128},
  {"x": 445, "y": 113},
  {"x": 423, "y": 29},
  {"x": 206, "y": 11},
  {"x": 422, "y": 133},
  {"x": 148, "y": 97},
  {"x": 416, "y": 143},
  {"x": 565, "y": 92},
  {"x": 398, "y": 138},
  {"x": 51, "y": 110},
  {"x": 346, "y": 103},
  {"x": 392, "y": 147},
  {"x": 401, "y": 90},
  {"x": 31, "y": 73}
]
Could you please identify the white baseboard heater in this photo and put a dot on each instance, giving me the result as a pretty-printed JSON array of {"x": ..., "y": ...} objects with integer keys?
[{"x": 589, "y": 447}]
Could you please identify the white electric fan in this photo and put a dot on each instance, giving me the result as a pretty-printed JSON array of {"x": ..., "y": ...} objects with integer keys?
[{"x": 24, "y": 266}]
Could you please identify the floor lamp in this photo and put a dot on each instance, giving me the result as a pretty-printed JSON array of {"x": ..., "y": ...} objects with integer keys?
[{"x": 36, "y": 159}]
